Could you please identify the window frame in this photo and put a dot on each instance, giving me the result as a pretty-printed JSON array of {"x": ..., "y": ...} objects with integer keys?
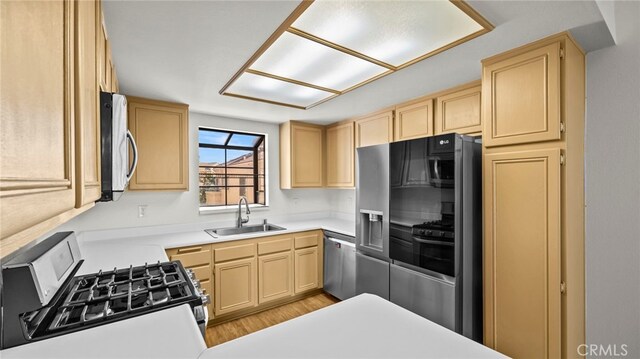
[{"x": 262, "y": 139}]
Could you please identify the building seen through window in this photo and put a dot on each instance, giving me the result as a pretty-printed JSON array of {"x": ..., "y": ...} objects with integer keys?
[{"x": 231, "y": 165}]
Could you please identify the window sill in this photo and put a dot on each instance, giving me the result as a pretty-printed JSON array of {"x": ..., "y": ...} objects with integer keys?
[{"x": 230, "y": 209}]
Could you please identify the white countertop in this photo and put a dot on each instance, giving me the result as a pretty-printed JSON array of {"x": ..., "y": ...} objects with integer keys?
[
  {"x": 167, "y": 333},
  {"x": 365, "y": 326},
  {"x": 195, "y": 235}
]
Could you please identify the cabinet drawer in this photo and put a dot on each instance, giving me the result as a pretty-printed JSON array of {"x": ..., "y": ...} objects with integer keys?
[
  {"x": 279, "y": 245},
  {"x": 234, "y": 252},
  {"x": 202, "y": 272},
  {"x": 307, "y": 240},
  {"x": 191, "y": 257}
]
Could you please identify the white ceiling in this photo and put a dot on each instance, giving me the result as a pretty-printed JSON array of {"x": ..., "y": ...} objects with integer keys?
[{"x": 185, "y": 51}]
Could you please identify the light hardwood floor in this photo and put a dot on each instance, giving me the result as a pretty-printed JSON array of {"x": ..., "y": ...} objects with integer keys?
[{"x": 225, "y": 332}]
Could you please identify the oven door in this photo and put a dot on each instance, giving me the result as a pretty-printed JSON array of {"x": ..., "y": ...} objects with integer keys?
[{"x": 434, "y": 254}]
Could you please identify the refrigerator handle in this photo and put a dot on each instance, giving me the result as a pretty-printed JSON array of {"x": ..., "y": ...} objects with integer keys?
[{"x": 134, "y": 148}]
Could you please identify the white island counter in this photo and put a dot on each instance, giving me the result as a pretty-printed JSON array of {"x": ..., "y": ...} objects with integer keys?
[{"x": 365, "y": 326}]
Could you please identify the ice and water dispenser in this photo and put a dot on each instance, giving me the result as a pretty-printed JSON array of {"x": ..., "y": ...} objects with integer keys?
[{"x": 371, "y": 229}]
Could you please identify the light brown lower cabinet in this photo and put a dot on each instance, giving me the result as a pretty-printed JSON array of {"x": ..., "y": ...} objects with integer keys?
[
  {"x": 252, "y": 274},
  {"x": 306, "y": 264},
  {"x": 198, "y": 259},
  {"x": 522, "y": 260},
  {"x": 235, "y": 285},
  {"x": 275, "y": 276}
]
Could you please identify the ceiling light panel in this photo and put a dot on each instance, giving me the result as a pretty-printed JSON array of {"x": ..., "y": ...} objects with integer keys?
[
  {"x": 299, "y": 59},
  {"x": 394, "y": 32},
  {"x": 265, "y": 88}
]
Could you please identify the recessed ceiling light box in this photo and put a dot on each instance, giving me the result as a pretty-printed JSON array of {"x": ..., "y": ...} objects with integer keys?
[{"x": 327, "y": 48}]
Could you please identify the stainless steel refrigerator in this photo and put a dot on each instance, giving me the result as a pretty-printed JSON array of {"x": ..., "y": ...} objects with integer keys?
[
  {"x": 372, "y": 220},
  {"x": 435, "y": 236}
]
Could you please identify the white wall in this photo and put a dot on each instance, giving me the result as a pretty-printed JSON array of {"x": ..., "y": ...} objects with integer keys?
[
  {"x": 182, "y": 207},
  {"x": 613, "y": 187}
]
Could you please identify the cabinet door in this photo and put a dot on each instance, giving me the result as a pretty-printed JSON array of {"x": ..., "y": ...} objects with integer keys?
[
  {"x": 234, "y": 285},
  {"x": 306, "y": 269},
  {"x": 86, "y": 105},
  {"x": 36, "y": 126},
  {"x": 101, "y": 44},
  {"x": 521, "y": 101},
  {"x": 459, "y": 112},
  {"x": 307, "y": 156},
  {"x": 275, "y": 276},
  {"x": 522, "y": 253},
  {"x": 340, "y": 156},
  {"x": 375, "y": 129},
  {"x": 115, "y": 84},
  {"x": 108, "y": 66},
  {"x": 161, "y": 130},
  {"x": 414, "y": 120}
]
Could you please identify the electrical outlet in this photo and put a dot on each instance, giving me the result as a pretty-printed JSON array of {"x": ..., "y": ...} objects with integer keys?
[{"x": 142, "y": 210}]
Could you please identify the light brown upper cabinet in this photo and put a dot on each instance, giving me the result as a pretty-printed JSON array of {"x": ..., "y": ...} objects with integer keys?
[
  {"x": 115, "y": 84},
  {"x": 161, "y": 131},
  {"x": 522, "y": 253},
  {"x": 101, "y": 45},
  {"x": 86, "y": 104},
  {"x": 414, "y": 120},
  {"x": 374, "y": 129},
  {"x": 301, "y": 155},
  {"x": 340, "y": 155},
  {"x": 37, "y": 171},
  {"x": 108, "y": 76},
  {"x": 522, "y": 95},
  {"x": 458, "y": 110}
]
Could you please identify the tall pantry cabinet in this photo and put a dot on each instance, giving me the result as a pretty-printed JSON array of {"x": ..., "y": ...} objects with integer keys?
[{"x": 533, "y": 116}]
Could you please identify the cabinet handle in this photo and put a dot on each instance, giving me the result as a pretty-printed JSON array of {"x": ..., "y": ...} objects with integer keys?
[{"x": 191, "y": 249}]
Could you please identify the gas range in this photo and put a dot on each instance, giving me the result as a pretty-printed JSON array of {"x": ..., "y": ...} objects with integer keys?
[
  {"x": 86, "y": 301},
  {"x": 440, "y": 228}
]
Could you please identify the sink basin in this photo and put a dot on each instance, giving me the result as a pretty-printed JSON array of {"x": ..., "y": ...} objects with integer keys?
[{"x": 229, "y": 231}]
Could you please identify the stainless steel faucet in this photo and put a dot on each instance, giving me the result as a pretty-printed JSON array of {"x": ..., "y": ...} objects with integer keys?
[{"x": 246, "y": 205}]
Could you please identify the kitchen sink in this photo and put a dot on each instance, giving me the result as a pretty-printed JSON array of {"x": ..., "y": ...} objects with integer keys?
[{"x": 229, "y": 231}]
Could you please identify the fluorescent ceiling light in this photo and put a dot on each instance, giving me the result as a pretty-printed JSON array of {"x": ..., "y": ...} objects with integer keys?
[{"x": 326, "y": 48}]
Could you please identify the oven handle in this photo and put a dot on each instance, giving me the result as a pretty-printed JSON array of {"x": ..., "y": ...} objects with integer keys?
[
  {"x": 435, "y": 168},
  {"x": 427, "y": 241}
]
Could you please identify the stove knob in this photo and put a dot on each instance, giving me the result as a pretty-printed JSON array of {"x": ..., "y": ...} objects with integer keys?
[
  {"x": 196, "y": 283},
  {"x": 421, "y": 231},
  {"x": 206, "y": 299},
  {"x": 190, "y": 273},
  {"x": 429, "y": 233},
  {"x": 442, "y": 234}
]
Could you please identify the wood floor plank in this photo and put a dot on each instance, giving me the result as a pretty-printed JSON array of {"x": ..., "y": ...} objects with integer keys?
[{"x": 225, "y": 332}]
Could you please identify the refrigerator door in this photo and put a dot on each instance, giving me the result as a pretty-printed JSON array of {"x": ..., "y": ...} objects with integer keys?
[
  {"x": 372, "y": 276},
  {"x": 339, "y": 268},
  {"x": 372, "y": 200},
  {"x": 424, "y": 295}
]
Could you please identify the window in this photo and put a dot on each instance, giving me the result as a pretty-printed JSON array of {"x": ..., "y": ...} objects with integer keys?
[{"x": 231, "y": 165}]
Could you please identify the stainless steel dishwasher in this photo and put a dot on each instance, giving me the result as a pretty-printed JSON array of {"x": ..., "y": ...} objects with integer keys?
[{"x": 339, "y": 265}]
